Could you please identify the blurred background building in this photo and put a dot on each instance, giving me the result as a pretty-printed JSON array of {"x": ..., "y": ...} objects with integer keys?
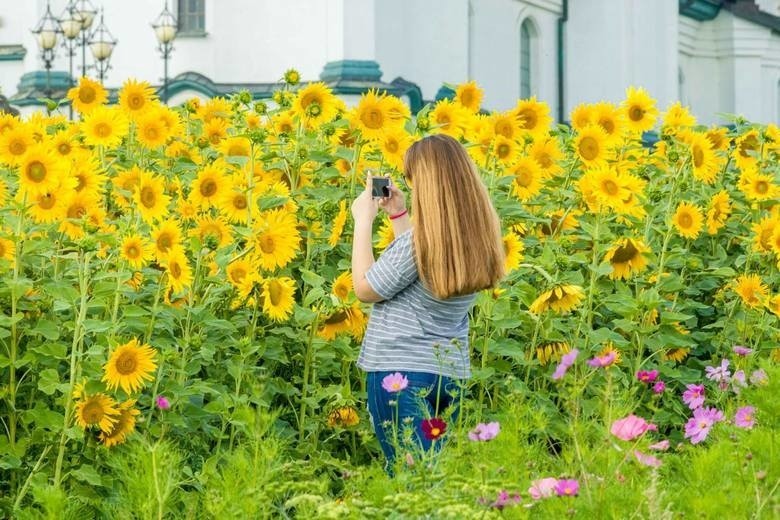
[{"x": 717, "y": 56}]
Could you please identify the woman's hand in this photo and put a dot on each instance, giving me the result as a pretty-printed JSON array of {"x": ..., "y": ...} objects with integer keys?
[
  {"x": 395, "y": 203},
  {"x": 364, "y": 208}
]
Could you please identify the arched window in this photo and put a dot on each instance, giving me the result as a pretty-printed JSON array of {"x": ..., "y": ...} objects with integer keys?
[{"x": 528, "y": 42}]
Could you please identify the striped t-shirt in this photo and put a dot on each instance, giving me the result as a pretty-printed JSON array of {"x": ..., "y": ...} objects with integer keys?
[{"x": 411, "y": 329}]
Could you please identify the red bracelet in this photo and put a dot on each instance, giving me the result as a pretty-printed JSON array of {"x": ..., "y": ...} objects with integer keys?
[{"x": 404, "y": 212}]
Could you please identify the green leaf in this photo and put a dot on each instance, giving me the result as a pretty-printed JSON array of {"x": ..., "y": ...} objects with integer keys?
[
  {"x": 48, "y": 380},
  {"x": 313, "y": 295},
  {"x": 46, "y": 328},
  {"x": 87, "y": 473},
  {"x": 311, "y": 278}
]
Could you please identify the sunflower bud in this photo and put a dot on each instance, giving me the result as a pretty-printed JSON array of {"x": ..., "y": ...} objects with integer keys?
[
  {"x": 244, "y": 97},
  {"x": 196, "y": 341},
  {"x": 423, "y": 123},
  {"x": 292, "y": 77},
  {"x": 202, "y": 142},
  {"x": 260, "y": 107}
]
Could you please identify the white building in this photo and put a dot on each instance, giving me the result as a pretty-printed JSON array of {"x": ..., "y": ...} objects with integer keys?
[{"x": 718, "y": 56}]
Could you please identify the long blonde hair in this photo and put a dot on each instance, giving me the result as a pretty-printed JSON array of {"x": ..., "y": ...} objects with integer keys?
[{"x": 456, "y": 231}]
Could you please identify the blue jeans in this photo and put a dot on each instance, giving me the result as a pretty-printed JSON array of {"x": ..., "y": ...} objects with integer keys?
[{"x": 417, "y": 401}]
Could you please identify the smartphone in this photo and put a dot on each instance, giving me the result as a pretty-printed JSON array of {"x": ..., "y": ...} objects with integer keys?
[{"x": 380, "y": 187}]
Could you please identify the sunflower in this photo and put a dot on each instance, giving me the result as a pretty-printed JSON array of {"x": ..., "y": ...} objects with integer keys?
[
  {"x": 591, "y": 145},
  {"x": 242, "y": 275},
  {"x": 372, "y": 115},
  {"x": 124, "y": 425},
  {"x": 65, "y": 144},
  {"x": 602, "y": 188},
  {"x": 533, "y": 116},
  {"x": 393, "y": 144},
  {"x": 7, "y": 250},
  {"x": 513, "y": 252},
  {"x": 469, "y": 95},
  {"x": 448, "y": 118},
  {"x": 703, "y": 158},
  {"x": 178, "y": 270},
  {"x": 609, "y": 348},
  {"x": 751, "y": 290},
  {"x": 283, "y": 123},
  {"x": 627, "y": 258},
  {"x": 561, "y": 299},
  {"x": 252, "y": 121},
  {"x": 639, "y": 110},
  {"x": 677, "y": 118},
  {"x": 527, "y": 180},
  {"x": 773, "y": 304},
  {"x": 676, "y": 354},
  {"x": 235, "y": 147},
  {"x": 551, "y": 351},
  {"x": 129, "y": 365},
  {"x": 152, "y": 131},
  {"x": 171, "y": 119},
  {"x": 215, "y": 131},
  {"x": 338, "y": 224},
  {"x": 757, "y": 186},
  {"x": 774, "y": 241},
  {"x": 747, "y": 150},
  {"x": 343, "y": 417},
  {"x": 86, "y": 171},
  {"x": 505, "y": 150},
  {"x": 278, "y": 300},
  {"x": 339, "y": 322},
  {"x": 214, "y": 108},
  {"x": 124, "y": 185},
  {"x": 208, "y": 187},
  {"x": 342, "y": 286},
  {"x": 764, "y": 229},
  {"x": 315, "y": 104},
  {"x": 718, "y": 138},
  {"x": 718, "y": 212},
  {"x": 87, "y": 95},
  {"x": 77, "y": 210},
  {"x": 276, "y": 239},
  {"x": 688, "y": 220},
  {"x": 582, "y": 115},
  {"x": 96, "y": 410},
  {"x": 504, "y": 123},
  {"x": 632, "y": 205},
  {"x": 8, "y": 122},
  {"x": 150, "y": 197},
  {"x": 560, "y": 220},
  {"x": 136, "y": 251},
  {"x": 14, "y": 144},
  {"x": 104, "y": 126},
  {"x": 547, "y": 153},
  {"x": 235, "y": 205},
  {"x": 610, "y": 119},
  {"x": 40, "y": 171},
  {"x": 166, "y": 238},
  {"x": 136, "y": 97},
  {"x": 213, "y": 232}
]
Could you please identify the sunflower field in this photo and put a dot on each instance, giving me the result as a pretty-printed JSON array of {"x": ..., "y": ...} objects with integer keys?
[{"x": 179, "y": 331}]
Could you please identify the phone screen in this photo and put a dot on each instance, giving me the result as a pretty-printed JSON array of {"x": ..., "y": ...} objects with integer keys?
[{"x": 380, "y": 186}]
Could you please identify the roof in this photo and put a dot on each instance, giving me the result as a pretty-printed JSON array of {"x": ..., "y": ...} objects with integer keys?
[{"x": 704, "y": 10}]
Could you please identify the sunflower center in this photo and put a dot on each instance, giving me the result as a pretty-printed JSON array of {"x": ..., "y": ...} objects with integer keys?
[
  {"x": 87, "y": 94},
  {"x": 103, "y": 129},
  {"x": 175, "y": 270},
  {"x": 267, "y": 244},
  {"x": 342, "y": 291},
  {"x": 589, "y": 148},
  {"x": 237, "y": 150},
  {"x": 239, "y": 201},
  {"x": 93, "y": 412},
  {"x": 313, "y": 109},
  {"x": 529, "y": 119},
  {"x": 636, "y": 113},
  {"x": 46, "y": 201},
  {"x": 135, "y": 101},
  {"x": 544, "y": 160},
  {"x": 336, "y": 317},
  {"x": 148, "y": 197},
  {"x": 164, "y": 242},
  {"x": 504, "y": 128},
  {"x": 762, "y": 187},
  {"x": 64, "y": 148},
  {"x": 274, "y": 292},
  {"x": 81, "y": 181},
  {"x": 503, "y": 151},
  {"x": 208, "y": 188},
  {"x": 152, "y": 133},
  {"x": 237, "y": 274},
  {"x": 685, "y": 220},
  {"x": 76, "y": 211},
  {"x": 17, "y": 147},
  {"x": 392, "y": 146},
  {"x": 524, "y": 178},
  {"x": 610, "y": 187},
  {"x": 372, "y": 118},
  {"x": 608, "y": 125},
  {"x": 750, "y": 144},
  {"x": 698, "y": 156},
  {"x": 625, "y": 253},
  {"x": 36, "y": 171},
  {"x": 132, "y": 251},
  {"x": 126, "y": 363}
]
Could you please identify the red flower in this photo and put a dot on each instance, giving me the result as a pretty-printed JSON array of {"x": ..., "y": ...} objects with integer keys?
[{"x": 433, "y": 428}]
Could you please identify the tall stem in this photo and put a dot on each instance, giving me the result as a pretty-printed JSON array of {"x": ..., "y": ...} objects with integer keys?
[{"x": 306, "y": 369}]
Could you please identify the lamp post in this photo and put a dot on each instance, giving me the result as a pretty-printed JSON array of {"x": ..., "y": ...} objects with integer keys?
[
  {"x": 46, "y": 33},
  {"x": 85, "y": 12},
  {"x": 102, "y": 44},
  {"x": 70, "y": 25},
  {"x": 165, "y": 27}
]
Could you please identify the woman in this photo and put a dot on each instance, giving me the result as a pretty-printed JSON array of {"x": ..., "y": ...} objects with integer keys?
[{"x": 423, "y": 285}]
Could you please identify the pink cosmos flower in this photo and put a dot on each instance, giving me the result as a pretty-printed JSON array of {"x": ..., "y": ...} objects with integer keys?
[
  {"x": 694, "y": 396},
  {"x": 698, "y": 427},
  {"x": 567, "y": 488},
  {"x": 744, "y": 417},
  {"x": 659, "y": 387},
  {"x": 602, "y": 361},
  {"x": 566, "y": 361},
  {"x": 504, "y": 499},
  {"x": 543, "y": 488},
  {"x": 738, "y": 381},
  {"x": 720, "y": 374},
  {"x": 647, "y": 376},
  {"x": 484, "y": 432},
  {"x": 395, "y": 382},
  {"x": 631, "y": 427},
  {"x": 741, "y": 351},
  {"x": 759, "y": 377},
  {"x": 647, "y": 460},
  {"x": 162, "y": 402},
  {"x": 660, "y": 445}
]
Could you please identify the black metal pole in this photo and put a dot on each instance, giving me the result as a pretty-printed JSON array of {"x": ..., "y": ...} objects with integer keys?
[
  {"x": 165, "y": 77},
  {"x": 70, "y": 79},
  {"x": 48, "y": 78}
]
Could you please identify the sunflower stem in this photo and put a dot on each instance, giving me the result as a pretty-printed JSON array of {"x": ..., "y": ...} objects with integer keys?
[
  {"x": 306, "y": 369},
  {"x": 75, "y": 354},
  {"x": 486, "y": 319}
]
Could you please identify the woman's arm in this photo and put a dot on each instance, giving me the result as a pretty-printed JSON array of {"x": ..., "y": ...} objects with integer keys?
[{"x": 364, "y": 211}]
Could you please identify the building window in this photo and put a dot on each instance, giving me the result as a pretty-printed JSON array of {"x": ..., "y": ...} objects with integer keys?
[
  {"x": 192, "y": 16},
  {"x": 528, "y": 42}
]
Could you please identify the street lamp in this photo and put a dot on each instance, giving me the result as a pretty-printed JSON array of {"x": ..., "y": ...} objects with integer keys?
[
  {"x": 165, "y": 30},
  {"x": 46, "y": 33},
  {"x": 84, "y": 12},
  {"x": 102, "y": 44},
  {"x": 70, "y": 26}
]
